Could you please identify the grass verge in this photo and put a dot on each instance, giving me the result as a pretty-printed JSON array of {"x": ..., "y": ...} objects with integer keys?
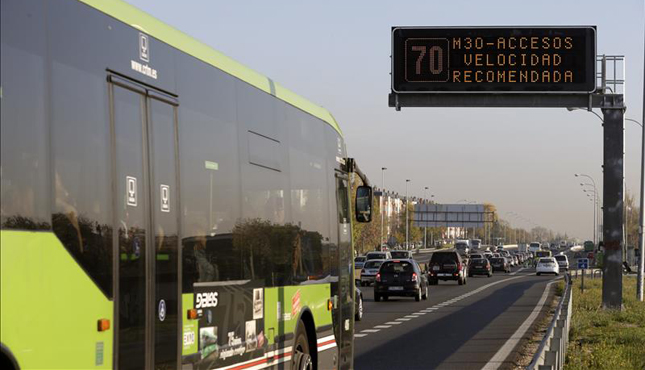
[{"x": 606, "y": 339}]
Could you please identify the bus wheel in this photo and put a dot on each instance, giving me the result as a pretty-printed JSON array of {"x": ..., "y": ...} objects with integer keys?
[{"x": 301, "y": 359}]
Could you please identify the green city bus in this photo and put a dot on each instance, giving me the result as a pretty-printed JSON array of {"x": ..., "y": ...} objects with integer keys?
[{"x": 164, "y": 206}]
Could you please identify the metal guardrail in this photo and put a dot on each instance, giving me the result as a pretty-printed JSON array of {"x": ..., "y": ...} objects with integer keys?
[{"x": 553, "y": 349}]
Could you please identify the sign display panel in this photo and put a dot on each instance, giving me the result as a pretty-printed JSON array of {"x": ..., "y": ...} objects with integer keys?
[
  {"x": 449, "y": 215},
  {"x": 494, "y": 60}
]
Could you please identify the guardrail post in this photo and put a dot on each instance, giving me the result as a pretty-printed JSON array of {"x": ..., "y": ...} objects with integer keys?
[
  {"x": 551, "y": 354},
  {"x": 551, "y": 359}
]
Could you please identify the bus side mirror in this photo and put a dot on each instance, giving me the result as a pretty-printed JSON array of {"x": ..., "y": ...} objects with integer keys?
[{"x": 364, "y": 204}]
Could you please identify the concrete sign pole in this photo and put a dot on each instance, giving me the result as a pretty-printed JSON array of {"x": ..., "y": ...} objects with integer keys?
[{"x": 614, "y": 203}]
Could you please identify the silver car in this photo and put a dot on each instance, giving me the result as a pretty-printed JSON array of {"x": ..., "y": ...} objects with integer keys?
[{"x": 369, "y": 271}]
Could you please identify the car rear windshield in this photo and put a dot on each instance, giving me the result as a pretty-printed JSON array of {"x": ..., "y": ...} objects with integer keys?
[
  {"x": 478, "y": 261},
  {"x": 376, "y": 256},
  {"x": 461, "y": 245},
  {"x": 443, "y": 257},
  {"x": 476, "y": 256},
  {"x": 359, "y": 259},
  {"x": 397, "y": 267},
  {"x": 372, "y": 264},
  {"x": 497, "y": 259},
  {"x": 546, "y": 260},
  {"x": 399, "y": 254},
  {"x": 561, "y": 258}
]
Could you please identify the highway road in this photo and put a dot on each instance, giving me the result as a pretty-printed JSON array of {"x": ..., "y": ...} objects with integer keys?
[{"x": 474, "y": 326}]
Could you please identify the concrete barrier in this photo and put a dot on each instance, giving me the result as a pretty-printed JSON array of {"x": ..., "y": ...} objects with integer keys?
[{"x": 553, "y": 349}]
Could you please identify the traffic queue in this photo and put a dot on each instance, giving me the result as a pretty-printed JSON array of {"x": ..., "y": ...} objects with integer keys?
[{"x": 400, "y": 272}]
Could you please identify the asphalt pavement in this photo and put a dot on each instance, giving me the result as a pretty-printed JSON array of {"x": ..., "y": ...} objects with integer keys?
[{"x": 473, "y": 326}]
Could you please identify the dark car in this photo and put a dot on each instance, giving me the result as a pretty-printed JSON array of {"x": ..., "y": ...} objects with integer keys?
[
  {"x": 446, "y": 265},
  {"x": 500, "y": 264},
  {"x": 479, "y": 266},
  {"x": 358, "y": 304},
  {"x": 401, "y": 278},
  {"x": 398, "y": 254}
]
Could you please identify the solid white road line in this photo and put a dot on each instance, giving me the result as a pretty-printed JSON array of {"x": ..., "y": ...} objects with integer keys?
[
  {"x": 501, "y": 355},
  {"x": 518, "y": 270}
]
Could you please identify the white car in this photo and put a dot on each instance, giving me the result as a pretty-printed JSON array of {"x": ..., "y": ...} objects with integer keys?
[
  {"x": 547, "y": 265},
  {"x": 563, "y": 261}
]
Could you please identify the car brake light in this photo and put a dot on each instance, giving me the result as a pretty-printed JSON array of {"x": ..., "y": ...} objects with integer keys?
[
  {"x": 378, "y": 277},
  {"x": 459, "y": 266},
  {"x": 414, "y": 277}
]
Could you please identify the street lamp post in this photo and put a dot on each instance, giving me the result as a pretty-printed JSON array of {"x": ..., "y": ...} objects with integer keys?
[
  {"x": 595, "y": 206},
  {"x": 381, "y": 205},
  {"x": 425, "y": 223},
  {"x": 407, "y": 203},
  {"x": 641, "y": 229},
  {"x": 594, "y": 210}
]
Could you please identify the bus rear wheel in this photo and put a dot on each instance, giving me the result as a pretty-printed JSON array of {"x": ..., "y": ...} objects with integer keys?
[{"x": 301, "y": 359}]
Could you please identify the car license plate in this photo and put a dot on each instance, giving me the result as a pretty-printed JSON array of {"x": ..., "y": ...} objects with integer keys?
[
  {"x": 443, "y": 274},
  {"x": 435, "y": 268},
  {"x": 396, "y": 288}
]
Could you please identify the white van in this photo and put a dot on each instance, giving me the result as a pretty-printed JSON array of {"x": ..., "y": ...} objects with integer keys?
[{"x": 462, "y": 246}]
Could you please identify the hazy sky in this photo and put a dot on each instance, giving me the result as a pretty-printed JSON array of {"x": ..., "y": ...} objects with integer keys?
[{"x": 336, "y": 53}]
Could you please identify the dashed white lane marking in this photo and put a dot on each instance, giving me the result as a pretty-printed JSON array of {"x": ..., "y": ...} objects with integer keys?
[
  {"x": 411, "y": 316},
  {"x": 497, "y": 360},
  {"x": 393, "y": 323},
  {"x": 382, "y": 326},
  {"x": 358, "y": 335},
  {"x": 370, "y": 330},
  {"x": 403, "y": 319},
  {"x": 420, "y": 313}
]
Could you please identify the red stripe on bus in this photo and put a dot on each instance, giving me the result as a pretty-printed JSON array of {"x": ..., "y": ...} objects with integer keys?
[
  {"x": 326, "y": 343},
  {"x": 260, "y": 361}
]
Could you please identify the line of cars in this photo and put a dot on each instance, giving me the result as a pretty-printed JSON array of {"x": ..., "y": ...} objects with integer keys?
[{"x": 396, "y": 273}]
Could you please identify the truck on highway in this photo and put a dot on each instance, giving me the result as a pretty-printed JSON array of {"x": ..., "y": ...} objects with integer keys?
[
  {"x": 476, "y": 243},
  {"x": 534, "y": 247},
  {"x": 589, "y": 246},
  {"x": 462, "y": 246}
]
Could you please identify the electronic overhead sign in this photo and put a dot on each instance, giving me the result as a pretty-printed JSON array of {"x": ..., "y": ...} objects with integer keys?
[{"x": 494, "y": 60}]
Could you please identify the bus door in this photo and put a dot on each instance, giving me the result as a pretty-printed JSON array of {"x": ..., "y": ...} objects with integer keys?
[
  {"x": 144, "y": 157},
  {"x": 345, "y": 311}
]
